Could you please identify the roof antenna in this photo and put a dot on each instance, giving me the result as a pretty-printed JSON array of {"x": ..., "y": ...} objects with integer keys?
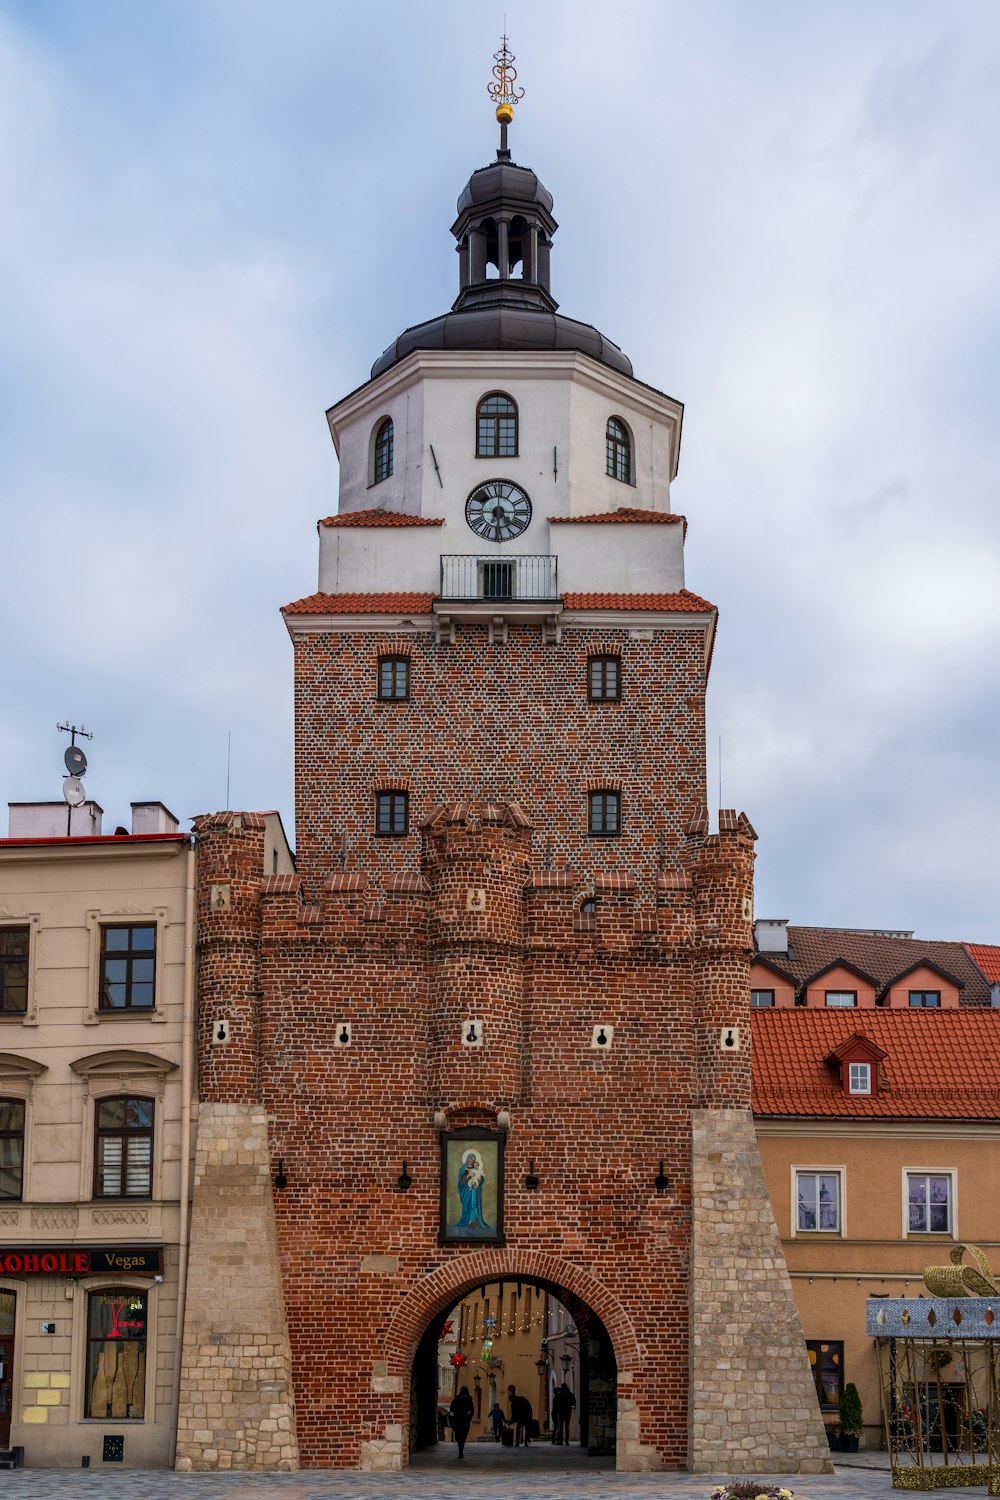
[
  {"x": 504, "y": 92},
  {"x": 76, "y": 766},
  {"x": 229, "y": 761}
]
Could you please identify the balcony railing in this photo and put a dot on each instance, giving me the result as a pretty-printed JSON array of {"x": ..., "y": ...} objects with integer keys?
[{"x": 516, "y": 578}]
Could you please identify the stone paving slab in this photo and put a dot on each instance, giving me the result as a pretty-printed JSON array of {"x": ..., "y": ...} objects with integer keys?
[{"x": 443, "y": 1480}]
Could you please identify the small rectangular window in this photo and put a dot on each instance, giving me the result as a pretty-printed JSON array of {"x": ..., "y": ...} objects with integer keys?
[
  {"x": 826, "y": 1359},
  {"x": 128, "y": 967},
  {"x": 925, "y": 999},
  {"x": 604, "y": 814},
  {"x": 116, "y": 1355},
  {"x": 604, "y": 679},
  {"x": 761, "y": 999},
  {"x": 394, "y": 678},
  {"x": 841, "y": 999},
  {"x": 860, "y": 1079},
  {"x": 928, "y": 1196},
  {"x": 13, "y": 970},
  {"x": 818, "y": 1202},
  {"x": 391, "y": 814}
]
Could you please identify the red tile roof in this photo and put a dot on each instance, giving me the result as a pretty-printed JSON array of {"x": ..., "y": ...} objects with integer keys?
[
  {"x": 684, "y": 601},
  {"x": 939, "y": 1064},
  {"x": 626, "y": 513},
  {"x": 379, "y": 518},
  {"x": 811, "y": 949},
  {"x": 987, "y": 958},
  {"x": 361, "y": 604}
]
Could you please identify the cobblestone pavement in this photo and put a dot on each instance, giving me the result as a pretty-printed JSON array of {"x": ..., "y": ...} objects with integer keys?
[{"x": 538, "y": 1474}]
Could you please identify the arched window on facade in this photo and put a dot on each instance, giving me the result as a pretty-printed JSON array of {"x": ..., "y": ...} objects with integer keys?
[
  {"x": 496, "y": 427},
  {"x": 382, "y": 467},
  {"x": 619, "y": 451}
]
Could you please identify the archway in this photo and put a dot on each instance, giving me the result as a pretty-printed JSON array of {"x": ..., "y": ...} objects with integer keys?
[{"x": 608, "y": 1352}]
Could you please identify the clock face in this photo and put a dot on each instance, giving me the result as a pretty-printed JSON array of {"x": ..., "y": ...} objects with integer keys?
[{"x": 498, "y": 510}]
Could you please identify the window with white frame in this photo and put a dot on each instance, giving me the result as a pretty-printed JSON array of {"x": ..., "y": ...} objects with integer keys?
[
  {"x": 929, "y": 1202},
  {"x": 817, "y": 1202},
  {"x": 860, "y": 1078},
  {"x": 841, "y": 999}
]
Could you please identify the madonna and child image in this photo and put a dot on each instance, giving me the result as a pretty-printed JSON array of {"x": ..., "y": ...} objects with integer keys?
[{"x": 471, "y": 1182}]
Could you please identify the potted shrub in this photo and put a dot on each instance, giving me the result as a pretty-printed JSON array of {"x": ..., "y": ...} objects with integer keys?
[{"x": 851, "y": 1418}]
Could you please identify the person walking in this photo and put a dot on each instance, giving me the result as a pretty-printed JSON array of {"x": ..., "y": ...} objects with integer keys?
[
  {"x": 520, "y": 1415},
  {"x": 498, "y": 1420},
  {"x": 460, "y": 1414},
  {"x": 563, "y": 1404}
]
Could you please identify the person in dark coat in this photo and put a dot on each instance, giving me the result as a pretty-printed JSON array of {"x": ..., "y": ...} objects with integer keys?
[
  {"x": 460, "y": 1415},
  {"x": 498, "y": 1420},
  {"x": 520, "y": 1415},
  {"x": 563, "y": 1404}
]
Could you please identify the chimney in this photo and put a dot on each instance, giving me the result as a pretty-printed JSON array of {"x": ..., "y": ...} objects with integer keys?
[
  {"x": 771, "y": 934},
  {"x": 52, "y": 820},
  {"x": 153, "y": 817}
]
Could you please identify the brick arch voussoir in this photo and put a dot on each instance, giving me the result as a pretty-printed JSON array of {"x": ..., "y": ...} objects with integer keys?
[{"x": 439, "y": 1290}]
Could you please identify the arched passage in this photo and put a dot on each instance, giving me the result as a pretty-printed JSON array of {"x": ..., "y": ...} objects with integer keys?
[{"x": 606, "y": 1331}]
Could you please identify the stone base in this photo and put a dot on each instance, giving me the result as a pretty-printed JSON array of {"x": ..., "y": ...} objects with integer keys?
[
  {"x": 753, "y": 1401},
  {"x": 237, "y": 1409}
]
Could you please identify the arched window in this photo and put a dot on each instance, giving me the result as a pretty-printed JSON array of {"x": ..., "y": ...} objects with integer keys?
[
  {"x": 619, "y": 451},
  {"x": 496, "y": 427},
  {"x": 383, "y": 452}
]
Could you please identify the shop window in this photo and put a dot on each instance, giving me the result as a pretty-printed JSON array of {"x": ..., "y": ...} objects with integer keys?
[
  {"x": 394, "y": 678},
  {"x": 762, "y": 999},
  {"x": 603, "y": 814},
  {"x": 128, "y": 967},
  {"x": 13, "y": 970},
  {"x": 123, "y": 1148},
  {"x": 11, "y": 1148},
  {"x": 826, "y": 1360},
  {"x": 604, "y": 679},
  {"x": 116, "y": 1355},
  {"x": 496, "y": 427},
  {"x": 928, "y": 1202},
  {"x": 391, "y": 814},
  {"x": 817, "y": 1202}
]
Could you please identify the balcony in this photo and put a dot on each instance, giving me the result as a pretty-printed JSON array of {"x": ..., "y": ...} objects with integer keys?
[{"x": 520, "y": 579}]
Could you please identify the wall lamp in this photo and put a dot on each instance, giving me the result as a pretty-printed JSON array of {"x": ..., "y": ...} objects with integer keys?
[
  {"x": 661, "y": 1181},
  {"x": 404, "y": 1181},
  {"x": 531, "y": 1181},
  {"x": 281, "y": 1181}
]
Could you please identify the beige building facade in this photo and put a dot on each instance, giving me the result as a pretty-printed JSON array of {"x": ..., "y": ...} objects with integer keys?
[{"x": 96, "y": 996}]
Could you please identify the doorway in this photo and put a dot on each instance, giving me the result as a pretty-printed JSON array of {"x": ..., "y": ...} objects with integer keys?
[
  {"x": 517, "y": 1346},
  {"x": 8, "y": 1304}
]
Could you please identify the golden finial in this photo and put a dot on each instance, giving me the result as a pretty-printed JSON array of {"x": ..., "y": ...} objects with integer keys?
[{"x": 504, "y": 91}]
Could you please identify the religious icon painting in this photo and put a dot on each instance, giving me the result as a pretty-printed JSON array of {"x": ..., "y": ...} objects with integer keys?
[{"x": 471, "y": 1187}]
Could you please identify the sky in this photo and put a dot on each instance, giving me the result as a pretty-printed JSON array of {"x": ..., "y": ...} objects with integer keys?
[{"x": 214, "y": 216}]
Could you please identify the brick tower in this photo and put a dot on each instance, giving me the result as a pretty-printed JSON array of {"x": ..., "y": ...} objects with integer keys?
[{"x": 498, "y": 1021}]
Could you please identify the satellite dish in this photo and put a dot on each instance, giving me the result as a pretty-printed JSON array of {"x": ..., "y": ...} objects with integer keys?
[
  {"x": 75, "y": 761},
  {"x": 73, "y": 791}
]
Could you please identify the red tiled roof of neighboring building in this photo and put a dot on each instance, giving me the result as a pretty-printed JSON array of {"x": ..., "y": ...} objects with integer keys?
[
  {"x": 361, "y": 604},
  {"x": 379, "y": 518},
  {"x": 684, "y": 601},
  {"x": 108, "y": 839},
  {"x": 939, "y": 1064},
  {"x": 985, "y": 957},
  {"x": 627, "y": 514},
  {"x": 812, "y": 949}
]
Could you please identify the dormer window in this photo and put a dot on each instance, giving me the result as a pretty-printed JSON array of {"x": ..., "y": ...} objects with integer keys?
[
  {"x": 925, "y": 999},
  {"x": 496, "y": 427},
  {"x": 857, "y": 1061},
  {"x": 841, "y": 999},
  {"x": 619, "y": 450},
  {"x": 382, "y": 455},
  {"x": 860, "y": 1078}
]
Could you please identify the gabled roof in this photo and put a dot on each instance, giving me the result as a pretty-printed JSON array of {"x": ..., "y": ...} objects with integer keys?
[
  {"x": 684, "y": 601},
  {"x": 926, "y": 963},
  {"x": 361, "y": 604},
  {"x": 841, "y": 963},
  {"x": 763, "y": 960},
  {"x": 813, "y": 949},
  {"x": 856, "y": 1042},
  {"x": 986, "y": 958},
  {"x": 379, "y": 518},
  {"x": 939, "y": 1064}
]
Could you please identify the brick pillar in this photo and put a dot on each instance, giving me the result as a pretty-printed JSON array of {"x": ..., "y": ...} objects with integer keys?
[
  {"x": 753, "y": 1406},
  {"x": 237, "y": 1409}
]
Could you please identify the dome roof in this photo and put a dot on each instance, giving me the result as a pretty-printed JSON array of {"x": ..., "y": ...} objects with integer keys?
[
  {"x": 507, "y": 182},
  {"x": 501, "y": 326}
]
